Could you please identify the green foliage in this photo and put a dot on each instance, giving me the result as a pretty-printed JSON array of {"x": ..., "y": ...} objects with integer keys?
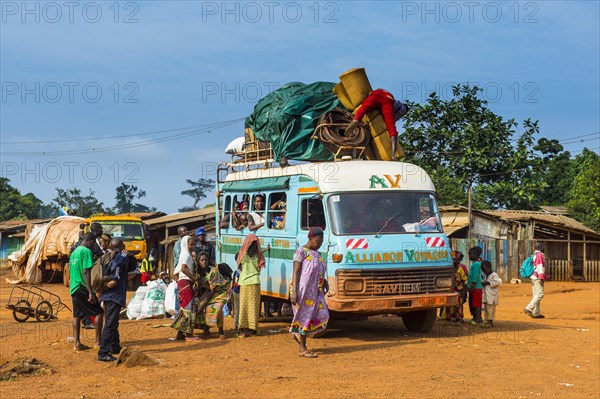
[
  {"x": 584, "y": 204},
  {"x": 198, "y": 192},
  {"x": 81, "y": 205},
  {"x": 461, "y": 142},
  {"x": 125, "y": 195},
  {"x": 14, "y": 205}
]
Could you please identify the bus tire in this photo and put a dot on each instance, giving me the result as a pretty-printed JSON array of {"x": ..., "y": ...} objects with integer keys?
[
  {"x": 420, "y": 321},
  {"x": 66, "y": 274}
]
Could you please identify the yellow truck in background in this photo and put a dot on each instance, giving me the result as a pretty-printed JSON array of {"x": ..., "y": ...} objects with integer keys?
[{"x": 130, "y": 229}]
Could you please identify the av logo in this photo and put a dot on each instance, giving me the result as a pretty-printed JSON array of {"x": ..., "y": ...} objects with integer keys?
[{"x": 392, "y": 180}]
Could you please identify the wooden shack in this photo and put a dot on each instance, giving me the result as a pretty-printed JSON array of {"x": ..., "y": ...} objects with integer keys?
[{"x": 508, "y": 237}]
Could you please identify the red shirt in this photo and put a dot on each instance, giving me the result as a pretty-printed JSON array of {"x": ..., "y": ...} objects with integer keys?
[{"x": 383, "y": 101}]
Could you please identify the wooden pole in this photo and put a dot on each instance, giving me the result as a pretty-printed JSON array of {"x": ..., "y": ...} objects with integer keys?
[
  {"x": 585, "y": 274},
  {"x": 470, "y": 208},
  {"x": 570, "y": 264}
]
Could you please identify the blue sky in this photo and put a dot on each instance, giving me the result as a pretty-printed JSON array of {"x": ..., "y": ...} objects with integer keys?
[{"x": 96, "y": 70}]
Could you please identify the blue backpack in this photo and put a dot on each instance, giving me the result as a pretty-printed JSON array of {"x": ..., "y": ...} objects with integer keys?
[{"x": 527, "y": 267}]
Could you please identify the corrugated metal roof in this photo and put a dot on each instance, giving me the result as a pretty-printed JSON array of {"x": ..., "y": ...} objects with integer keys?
[
  {"x": 555, "y": 210},
  {"x": 556, "y": 220},
  {"x": 182, "y": 216},
  {"x": 454, "y": 216},
  {"x": 16, "y": 224},
  {"x": 453, "y": 229},
  {"x": 143, "y": 215}
]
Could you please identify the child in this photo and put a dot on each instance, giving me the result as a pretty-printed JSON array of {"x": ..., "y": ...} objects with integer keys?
[
  {"x": 475, "y": 287},
  {"x": 455, "y": 313},
  {"x": 490, "y": 292}
]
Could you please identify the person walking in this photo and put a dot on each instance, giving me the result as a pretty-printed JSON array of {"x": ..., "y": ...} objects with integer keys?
[
  {"x": 307, "y": 292},
  {"x": 114, "y": 299},
  {"x": 85, "y": 303},
  {"x": 537, "y": 282},
  {"x": 251, "y": 261}
]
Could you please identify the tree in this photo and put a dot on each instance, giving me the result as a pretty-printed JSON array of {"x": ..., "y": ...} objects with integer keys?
[
  {"x": 125, "y": 195},
  {"x": 198, "y": 192},
  {"x": 460, "y": 142},
  {"x": 14, "y": 205},
  {"x": 584, "y": 204},
  {"x": 83, "y": 206}
]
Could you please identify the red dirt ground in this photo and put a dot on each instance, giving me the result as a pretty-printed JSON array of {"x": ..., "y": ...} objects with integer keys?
[{"x": 521, "y": 358}]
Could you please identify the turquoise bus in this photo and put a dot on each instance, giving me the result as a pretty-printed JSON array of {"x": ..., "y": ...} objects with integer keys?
[{"x": 385, "y": 249}]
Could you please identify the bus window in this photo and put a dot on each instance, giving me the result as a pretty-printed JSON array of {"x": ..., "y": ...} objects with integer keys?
[
  {"x": 256, "y": 217},
  {"x": 312, "y": 214},
  {"x": 226, "y": 215},
  {"x": 383, "y": 212},
  {"x": 277, "y": 210}
]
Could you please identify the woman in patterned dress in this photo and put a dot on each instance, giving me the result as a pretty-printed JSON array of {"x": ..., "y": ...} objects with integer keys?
[
  {"x": 307, "y": 292},
  {"x": 218, "y": 280}
]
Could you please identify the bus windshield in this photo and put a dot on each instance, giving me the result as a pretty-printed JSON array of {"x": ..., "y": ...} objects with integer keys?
[
  {"x": 125, "y": 230},
  {"x": 383, "y": 213}
]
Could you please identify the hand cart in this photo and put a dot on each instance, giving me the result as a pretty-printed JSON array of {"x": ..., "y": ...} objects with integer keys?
[{"x": 32, "y": 301}]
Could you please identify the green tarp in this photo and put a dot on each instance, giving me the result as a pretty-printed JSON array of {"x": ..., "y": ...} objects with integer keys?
[
  {"x": 268, "y": 183},
  {"x": 288, "y": 117}
]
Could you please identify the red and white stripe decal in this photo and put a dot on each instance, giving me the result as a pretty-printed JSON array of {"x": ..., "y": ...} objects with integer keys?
[
  {"x": 357, "y": 243},
  {"x": 434, "y": 242}
]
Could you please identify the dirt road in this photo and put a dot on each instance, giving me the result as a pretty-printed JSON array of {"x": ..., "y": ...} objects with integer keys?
[{"x": 521, "y": 358}]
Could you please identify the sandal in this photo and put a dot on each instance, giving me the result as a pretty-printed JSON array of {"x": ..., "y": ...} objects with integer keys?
[
  {"x": 81, "y": 347},
  {"x": 222, "y": 337},
  {"x": 191, "y": 339},
  {"x": 309, "y": 354}
]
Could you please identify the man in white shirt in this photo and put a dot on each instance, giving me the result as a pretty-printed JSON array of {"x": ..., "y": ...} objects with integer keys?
[{"x": 256, "y": 219}]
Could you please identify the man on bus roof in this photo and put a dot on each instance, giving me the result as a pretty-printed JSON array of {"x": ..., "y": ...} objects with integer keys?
[{"x": 391, "y": 110}]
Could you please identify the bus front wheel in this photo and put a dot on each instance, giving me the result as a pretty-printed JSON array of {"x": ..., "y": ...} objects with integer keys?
[{"x": 420, "y": 321}]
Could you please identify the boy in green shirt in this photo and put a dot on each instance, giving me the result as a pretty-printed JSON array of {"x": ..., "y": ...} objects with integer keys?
[
  {"x": 85, "y": 303},
  {"x": 475, "y": 287}
]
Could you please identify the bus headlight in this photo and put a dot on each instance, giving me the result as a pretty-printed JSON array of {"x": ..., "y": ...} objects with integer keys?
[
  {"x": 337, "y": 258},
  {"x": 443, "y": 282},
  {"x": 354, "y": 285}
]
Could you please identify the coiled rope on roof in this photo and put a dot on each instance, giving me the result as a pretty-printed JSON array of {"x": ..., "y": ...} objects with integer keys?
[{"x": 331, "y": 131}]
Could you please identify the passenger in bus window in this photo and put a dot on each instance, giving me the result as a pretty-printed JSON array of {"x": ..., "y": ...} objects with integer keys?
[
  {"x": 256, "y": 219},
  {"x": 227, "y": 218},
  {"x": 278, "y": 217},
  {"x": 241, "y": 217}
]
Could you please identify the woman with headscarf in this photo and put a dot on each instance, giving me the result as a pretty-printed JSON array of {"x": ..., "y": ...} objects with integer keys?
[
  {"x": 307, "y": 292},
  {"x": 186, "y": 319},
  {"x": 217, "y": 280},
  {"x": 251, "y": 261}
]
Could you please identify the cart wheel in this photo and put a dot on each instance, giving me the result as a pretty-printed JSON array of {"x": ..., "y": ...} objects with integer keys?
[
  {"x": 21, "y": 311},
  {"x": 66, "y": 274},
  {"x": 43, "y": 311}
]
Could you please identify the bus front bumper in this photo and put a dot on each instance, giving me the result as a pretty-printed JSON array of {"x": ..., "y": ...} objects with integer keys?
[{"x": 390, "y": 304}]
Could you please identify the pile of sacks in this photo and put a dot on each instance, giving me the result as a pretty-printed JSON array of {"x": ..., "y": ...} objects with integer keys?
[{"x": 153, "y": 301}]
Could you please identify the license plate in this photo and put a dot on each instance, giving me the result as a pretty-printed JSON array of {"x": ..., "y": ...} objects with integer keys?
[{"x": 434, "y": 301}]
